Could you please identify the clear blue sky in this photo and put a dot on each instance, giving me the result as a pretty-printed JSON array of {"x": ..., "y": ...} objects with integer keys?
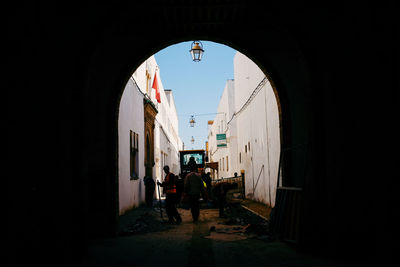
[{"x": 197, "y": 86}]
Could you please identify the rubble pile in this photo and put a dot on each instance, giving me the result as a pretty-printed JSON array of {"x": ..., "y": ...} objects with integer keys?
[
  {"x": 237, "y": 215},
  {"x": 141, "y": 220},
  {"x": 238, "y": 221}
]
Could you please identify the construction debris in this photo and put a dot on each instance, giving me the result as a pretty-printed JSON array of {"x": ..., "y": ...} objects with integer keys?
[
  {"x": 141, "y": 220},
  {"x": 238, "y": 221}
]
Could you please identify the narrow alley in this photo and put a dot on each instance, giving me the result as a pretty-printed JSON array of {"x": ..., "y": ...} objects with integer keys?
[
  {"x": 296, "y": 104},
  {"x": 240, "y": 239}
]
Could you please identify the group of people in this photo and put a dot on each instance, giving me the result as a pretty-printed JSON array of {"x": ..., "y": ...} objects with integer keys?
[{"x": 194, "y": 187}]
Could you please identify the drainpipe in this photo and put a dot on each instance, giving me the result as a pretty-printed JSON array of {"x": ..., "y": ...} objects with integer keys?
[{"x": 268, "y": 158}]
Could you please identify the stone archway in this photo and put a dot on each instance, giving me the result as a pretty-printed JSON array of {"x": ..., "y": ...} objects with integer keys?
[
  {"x": 111, "y": 68},
  {"x": 334, "y": 82}
]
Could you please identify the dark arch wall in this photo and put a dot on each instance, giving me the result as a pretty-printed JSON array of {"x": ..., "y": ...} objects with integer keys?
[
  {"x": 278, "y": 51},
  {"x": 335, "y": 83}
]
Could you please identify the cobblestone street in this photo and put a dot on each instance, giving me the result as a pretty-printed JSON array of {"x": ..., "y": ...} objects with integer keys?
[{"x": 240, "y": 239}]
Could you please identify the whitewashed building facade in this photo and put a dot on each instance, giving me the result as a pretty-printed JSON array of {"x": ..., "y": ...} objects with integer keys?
[
  {"x": 167, "y": 140},
  {"x": 226, "y": 109},
  {"x": 132, "y": 136},
  {"x": 248, "y": 114}
]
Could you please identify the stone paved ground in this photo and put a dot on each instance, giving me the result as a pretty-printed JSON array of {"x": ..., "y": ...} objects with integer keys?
[{"x": 241, "y": 239}]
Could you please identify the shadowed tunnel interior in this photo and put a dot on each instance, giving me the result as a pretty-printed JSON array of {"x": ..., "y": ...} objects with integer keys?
[{"x": 334, "y": 69}]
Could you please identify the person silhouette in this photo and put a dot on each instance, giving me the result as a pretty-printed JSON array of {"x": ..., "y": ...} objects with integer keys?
[
  {"x": 169, "y": 186},
  {"x": 194, "y": 188}
]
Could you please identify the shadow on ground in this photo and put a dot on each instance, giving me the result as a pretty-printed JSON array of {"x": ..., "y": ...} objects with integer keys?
[{"x": 240, "y": 239}]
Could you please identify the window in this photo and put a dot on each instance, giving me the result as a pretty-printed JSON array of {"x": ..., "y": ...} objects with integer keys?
[
  {"x": 227, "y": 165},
  {"x": 134, "y": 157},
  {"x": 223, "y": 167},
  {"x": 240, "y": 157},
  {"x": 148, "y": 83},
  {"x": 249, "y": 145},
  {"x": 245, "y": 148}
]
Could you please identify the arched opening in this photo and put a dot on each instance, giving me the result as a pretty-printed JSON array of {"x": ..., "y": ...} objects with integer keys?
[
  {"x": 148, "y": 157},
  {"x": 284, "y": 118},
  {"x": 248, "y": 115},
  {"x": 328, "y": 109},
  {"x": 284, "y": 66}
]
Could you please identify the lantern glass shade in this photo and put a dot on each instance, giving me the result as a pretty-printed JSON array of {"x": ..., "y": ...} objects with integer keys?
[
  {"x": 197, "y": 51},
  {"x": 192, "y": 121}
]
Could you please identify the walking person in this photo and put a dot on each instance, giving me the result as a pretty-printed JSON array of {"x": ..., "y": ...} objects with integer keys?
[
  {"x": 194, "y": 188},
  {"x": 169, "y": 186}
]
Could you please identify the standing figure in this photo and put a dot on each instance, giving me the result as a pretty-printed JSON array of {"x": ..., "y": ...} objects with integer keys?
[
  {"x": 219, "y": 192},
  {"x": 150, "y": 186},
  {"x": 179, "y": 182},
  {"x": 194, "y": 188},
  {"x": 169, "y": 186},
  {"x": 207, "y": 180}
]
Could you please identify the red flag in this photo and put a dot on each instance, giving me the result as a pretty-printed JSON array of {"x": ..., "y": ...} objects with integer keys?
[{"x": 155, "y": 86}]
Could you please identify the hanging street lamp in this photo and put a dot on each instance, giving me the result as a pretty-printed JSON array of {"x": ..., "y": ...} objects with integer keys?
[
  {"x": 196, "y": 51},
  {"x": 192, "y": 121},
  {"x": 192, "y": 140}
]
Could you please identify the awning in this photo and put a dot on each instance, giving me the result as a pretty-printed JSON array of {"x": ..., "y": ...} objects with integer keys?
[{"x": 212, "y": 165}]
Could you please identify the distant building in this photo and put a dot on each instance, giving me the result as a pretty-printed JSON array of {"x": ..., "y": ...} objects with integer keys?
[
  {"x": 248, "y": 117},
  {"x": 220, "y": 151},
  {"x": 168, "y": 142},
  {"x": 148, "y": 136}
]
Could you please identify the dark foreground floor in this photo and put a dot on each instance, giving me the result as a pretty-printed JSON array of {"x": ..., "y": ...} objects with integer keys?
[{"x": 145, "y": 241}]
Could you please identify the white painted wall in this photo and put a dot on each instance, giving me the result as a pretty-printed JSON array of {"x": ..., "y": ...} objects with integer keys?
[
  {"x": 258, "y": 126},
  {"x": 167, "y": 142},
  {"x": 225, "y": 111},
  {"x": 131, "y": 192},
  {"x": 253, "y": 133}
]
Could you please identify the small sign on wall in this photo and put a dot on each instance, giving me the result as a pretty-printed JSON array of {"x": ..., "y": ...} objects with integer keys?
[{"x": 221, "y": 140}]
